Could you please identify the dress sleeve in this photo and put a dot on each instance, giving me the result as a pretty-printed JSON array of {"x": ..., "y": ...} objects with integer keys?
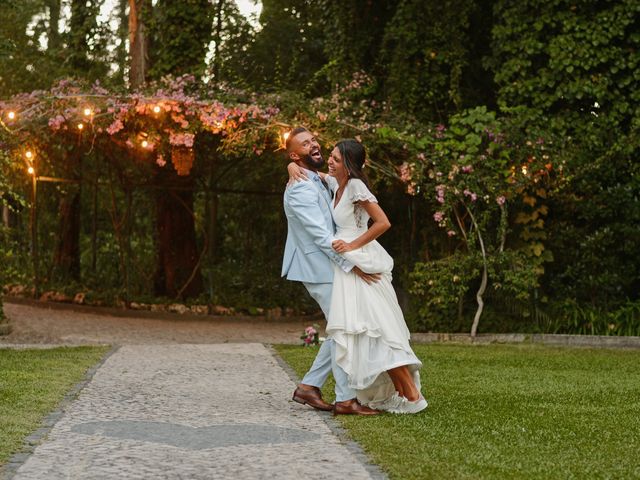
[
  {"x": 358, "y": 192},
  {"x": 332, "y": 183}
]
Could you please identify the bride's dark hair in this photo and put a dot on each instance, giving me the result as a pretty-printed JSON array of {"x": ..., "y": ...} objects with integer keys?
[{"x": 353, "y": 155}]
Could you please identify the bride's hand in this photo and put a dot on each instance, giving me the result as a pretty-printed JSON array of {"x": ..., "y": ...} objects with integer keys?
[
  {"x": 296, "y": 174},
  {"x": 341, "y": 246}
]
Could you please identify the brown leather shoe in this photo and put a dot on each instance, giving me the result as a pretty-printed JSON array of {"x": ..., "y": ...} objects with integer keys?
[
  {"x": 353, "y": 407},
  {"x": 311, "y": 397}
]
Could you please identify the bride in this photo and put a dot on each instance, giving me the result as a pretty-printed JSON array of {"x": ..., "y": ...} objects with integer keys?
[{"x": 365, "y": 320}]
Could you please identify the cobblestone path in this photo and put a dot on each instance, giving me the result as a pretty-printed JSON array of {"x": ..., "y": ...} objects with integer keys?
[{"x": 192, "y": 411}]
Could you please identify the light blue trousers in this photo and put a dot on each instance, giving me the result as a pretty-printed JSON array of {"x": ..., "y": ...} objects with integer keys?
[{"x": 325, "y": 361}]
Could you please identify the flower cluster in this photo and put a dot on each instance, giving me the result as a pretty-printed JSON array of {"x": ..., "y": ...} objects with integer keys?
[
  {"x": 181, "y": 139},
  {"x": 310, "y": 336},
  {"x": 406, "y": 176}
]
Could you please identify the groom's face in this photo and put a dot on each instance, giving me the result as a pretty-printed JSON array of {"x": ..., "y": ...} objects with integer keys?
[{"x": 305, "y": 149}]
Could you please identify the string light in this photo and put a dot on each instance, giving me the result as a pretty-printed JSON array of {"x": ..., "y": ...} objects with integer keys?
[
  {"x": 11, "y": 115},
  {"x": 28, "y": 154},
  {"x": 80, "y": 126},
  {"x": 144, "y": 144},
  {"x": 31, "y": 170},
  {"x": 285, "y": 135},
  {"x": 156, "y": 109},
  {"x": 524, "y": 169},
  {"x": 87, "y": 112}
]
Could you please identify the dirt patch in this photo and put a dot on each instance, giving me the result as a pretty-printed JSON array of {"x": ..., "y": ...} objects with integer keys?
[{"x": 33, "y": 324}]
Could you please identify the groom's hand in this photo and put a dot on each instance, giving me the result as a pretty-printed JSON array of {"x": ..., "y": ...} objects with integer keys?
[{"x": 367, "y": 277}]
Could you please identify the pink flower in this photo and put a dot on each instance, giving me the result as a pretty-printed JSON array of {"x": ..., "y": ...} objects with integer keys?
[
  {"x": 451, "y": 233},
  {"x": 405, "y": 172},
  {"x": 467, "y": 169},
  {"x": 56, "y": 122},
  {"x": 179, "y": 139},
  {"x": 438, "y": 216},
  {"x": 115, "y": 127},
  {"x": 161, "y": 161},
  {"x": 500, "y": 200},
  {"x": 469, "y": 193}
]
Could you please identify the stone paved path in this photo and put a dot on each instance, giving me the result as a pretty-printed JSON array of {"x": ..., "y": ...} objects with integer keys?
[{"x": 192, "y": 412}]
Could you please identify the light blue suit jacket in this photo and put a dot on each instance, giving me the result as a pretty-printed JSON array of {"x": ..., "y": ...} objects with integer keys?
[{"x": 308, "y": 253}]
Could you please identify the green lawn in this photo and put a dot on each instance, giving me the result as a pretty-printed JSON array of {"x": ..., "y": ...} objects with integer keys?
[
  {"x": 506, "y": 411},
  {"x": 32, "y": 384}
]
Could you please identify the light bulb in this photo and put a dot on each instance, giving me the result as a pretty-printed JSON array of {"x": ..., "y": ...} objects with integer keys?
[
  {"x": 87, "y": 112},
  {"x": 156, "y": 109},
  {"x": 11, "y": 115},
  {"x": 80, "y": 126}
]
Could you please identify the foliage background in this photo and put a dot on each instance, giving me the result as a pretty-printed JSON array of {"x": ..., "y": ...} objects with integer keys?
[{"x": 413, "y": 80}]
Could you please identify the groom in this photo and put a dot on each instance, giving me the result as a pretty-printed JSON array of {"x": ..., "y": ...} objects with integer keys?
[{"x": 308, "y": 258}]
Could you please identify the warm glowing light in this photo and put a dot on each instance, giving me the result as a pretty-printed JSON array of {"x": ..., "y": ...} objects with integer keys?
[
  {"x": 28, "y": 154},
  {"x": 31, "y": 170},
  {"x": 524, "y": 169},
  {"x": 87, "y": 112},
  {"x": 285, "y": 135},
  {"x": 156, "y": 109},
  {"x": 80, "y": 126},
  {"x": 144, "y": 144},
  {"x": 11, "y": 115}
]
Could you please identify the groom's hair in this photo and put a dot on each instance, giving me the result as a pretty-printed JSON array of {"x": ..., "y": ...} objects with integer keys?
[{"x": 295, "y": 131}]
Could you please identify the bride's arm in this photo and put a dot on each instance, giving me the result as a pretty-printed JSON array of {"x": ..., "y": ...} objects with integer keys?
[
  {"x": 380, "y": 225},
  {"x": 296, "y": 174}
]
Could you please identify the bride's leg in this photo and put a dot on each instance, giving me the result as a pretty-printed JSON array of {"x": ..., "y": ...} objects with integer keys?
[
  {"x": 397, "y": 381},
  {"x": 403, "y": 377}
]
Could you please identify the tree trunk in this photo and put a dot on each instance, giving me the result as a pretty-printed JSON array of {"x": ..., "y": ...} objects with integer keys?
[
  {"x": 67, "y": 255},
  {"x": 139, "y": 12},
  {"x": 483, "y": 282},
  {"x": 217, "y": 39},
  {"x": 178, "y": 268},
  {"x": 54, "y": 18}
]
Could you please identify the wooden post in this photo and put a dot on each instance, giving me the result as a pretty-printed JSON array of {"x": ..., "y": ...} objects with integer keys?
[
  {"x": 127, "y": 269},
  {"x": 94, "y": 224},
  {"x": 34, "y": 235}
]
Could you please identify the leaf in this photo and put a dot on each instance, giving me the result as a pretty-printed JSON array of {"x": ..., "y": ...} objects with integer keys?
[
  {"x": 537, "y": 249},
  {"x": 523, "y": 218},
  {"x": 529, "y": 200}
]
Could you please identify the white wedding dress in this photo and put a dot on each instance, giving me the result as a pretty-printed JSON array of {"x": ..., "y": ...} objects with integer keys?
[{"x": 365, "y": 320}]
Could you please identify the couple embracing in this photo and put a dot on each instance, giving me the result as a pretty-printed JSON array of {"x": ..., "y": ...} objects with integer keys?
[{"x": 333, "y": 251}]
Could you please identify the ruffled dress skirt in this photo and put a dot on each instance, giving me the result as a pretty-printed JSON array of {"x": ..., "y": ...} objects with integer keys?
[{"x": 368, "y": 326}]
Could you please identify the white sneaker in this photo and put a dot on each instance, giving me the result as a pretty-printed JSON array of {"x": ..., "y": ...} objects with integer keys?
[
  {"x": 392, "y": 404},
  {"x": 407, "y": 406}
]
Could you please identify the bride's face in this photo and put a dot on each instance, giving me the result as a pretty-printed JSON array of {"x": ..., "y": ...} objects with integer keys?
[{"x": 337, "y": 168}]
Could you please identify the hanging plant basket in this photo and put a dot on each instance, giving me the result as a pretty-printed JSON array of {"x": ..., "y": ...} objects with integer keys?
[{"x": 182, "y": 159}]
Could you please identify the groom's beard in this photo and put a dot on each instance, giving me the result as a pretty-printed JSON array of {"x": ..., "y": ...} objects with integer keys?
[{"x": 314, "y": 162}]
